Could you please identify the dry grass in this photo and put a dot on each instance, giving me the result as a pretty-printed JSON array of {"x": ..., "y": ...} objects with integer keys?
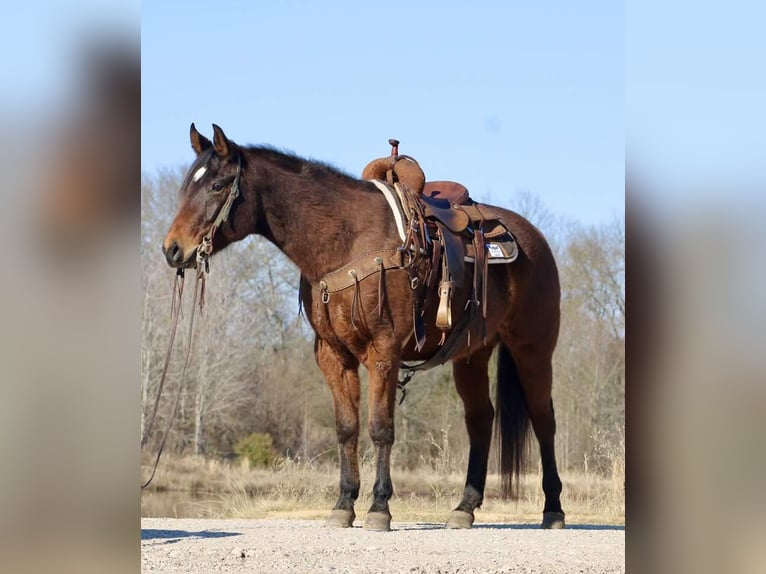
[{"x": 198, "y": 487}]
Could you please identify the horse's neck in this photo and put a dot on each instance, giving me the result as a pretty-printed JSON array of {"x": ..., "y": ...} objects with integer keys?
[{"x": 313, "y": 223}]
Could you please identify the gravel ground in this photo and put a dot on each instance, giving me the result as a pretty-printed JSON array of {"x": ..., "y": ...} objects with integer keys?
[{"x": 305, "y": 546}]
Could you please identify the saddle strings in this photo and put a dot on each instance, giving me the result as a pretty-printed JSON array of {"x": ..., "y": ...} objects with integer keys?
[
  {"x": 355, "y": 302},
  {"x": 381, "y": 288}
]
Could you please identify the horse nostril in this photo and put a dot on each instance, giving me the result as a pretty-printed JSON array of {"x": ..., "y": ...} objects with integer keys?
[{"x": 173, "y": 254}]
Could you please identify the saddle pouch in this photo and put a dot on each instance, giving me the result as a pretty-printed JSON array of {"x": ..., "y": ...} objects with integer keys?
[{"x": 499, "y": 242}]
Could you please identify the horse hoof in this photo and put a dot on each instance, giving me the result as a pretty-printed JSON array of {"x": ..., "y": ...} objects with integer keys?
[
  {"x": 378, "y": 522},
  {"x": 460, "y": 519},
  {"x": 553, "y": 520},
  {"x": 340, "y": 518}
]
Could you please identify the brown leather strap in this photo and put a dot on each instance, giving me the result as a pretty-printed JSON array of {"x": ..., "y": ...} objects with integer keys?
[
  {"x": 381, "y": 289},
  {"x": 418, "y": 327},
  {"x": 433, "y": 270},
  {"x": 355, "y": 301},
  {"x": 452, "y": 344},
  {"x": 472, "y": 211},
  {"x": 480, "y": 277},
  {"x": 363, "y": 266},
  {"x": 485, "y": 280},
  {"x": 454, "y": 254}
]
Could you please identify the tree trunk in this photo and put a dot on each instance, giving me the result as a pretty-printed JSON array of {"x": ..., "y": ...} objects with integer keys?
[{"x": 199, "y": 407}]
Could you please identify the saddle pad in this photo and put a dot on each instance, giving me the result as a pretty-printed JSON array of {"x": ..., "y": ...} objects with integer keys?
[{"x": 500, "y": 243}]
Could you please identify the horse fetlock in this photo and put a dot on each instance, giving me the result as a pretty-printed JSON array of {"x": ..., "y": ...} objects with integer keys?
[
  {"x": 553, "y": 520},
  {"x": 472, "y": 499},
  {"x": 349, "y": 488},
  {"x": 552, "y": 486}
]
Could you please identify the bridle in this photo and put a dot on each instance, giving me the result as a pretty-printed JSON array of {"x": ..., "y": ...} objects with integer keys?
[{"x": 205, "y": 248}]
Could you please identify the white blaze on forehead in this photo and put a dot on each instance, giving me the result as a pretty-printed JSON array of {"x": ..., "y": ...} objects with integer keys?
[{"x": 199, "y": 173}]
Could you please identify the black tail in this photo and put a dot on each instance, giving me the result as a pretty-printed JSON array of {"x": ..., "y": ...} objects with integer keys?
[{"x": 512, "y": 422}]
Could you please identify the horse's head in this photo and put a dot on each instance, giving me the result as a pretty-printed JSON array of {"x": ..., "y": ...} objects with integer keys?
[{"x": 208, "y": 190}]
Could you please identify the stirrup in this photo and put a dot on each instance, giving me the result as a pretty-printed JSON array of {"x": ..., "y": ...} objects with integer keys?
[{"x": 444, "y": 314}]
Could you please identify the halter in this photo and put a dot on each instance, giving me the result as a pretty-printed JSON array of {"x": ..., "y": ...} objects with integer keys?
[{"x": 205, "y": 248}]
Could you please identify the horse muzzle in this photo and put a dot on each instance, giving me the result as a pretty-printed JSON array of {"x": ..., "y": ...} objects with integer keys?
[{"x": 174, "y": 254}]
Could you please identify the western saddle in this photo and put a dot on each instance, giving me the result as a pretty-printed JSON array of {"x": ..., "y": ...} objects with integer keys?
[{"x": 445, "y": 230}]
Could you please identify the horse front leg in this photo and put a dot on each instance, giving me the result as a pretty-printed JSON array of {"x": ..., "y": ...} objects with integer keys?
[
  {"x": 341, "y": 370},
  {"x": 383, "y": 370}
]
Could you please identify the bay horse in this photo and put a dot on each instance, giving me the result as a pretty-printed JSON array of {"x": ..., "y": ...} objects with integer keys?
[{"x": 321, "y": 219}]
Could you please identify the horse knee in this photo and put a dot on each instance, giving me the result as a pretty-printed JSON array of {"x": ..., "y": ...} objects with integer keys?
[
  {"x": 382, "y": 433},
  {"x": 346, "y": 431}
]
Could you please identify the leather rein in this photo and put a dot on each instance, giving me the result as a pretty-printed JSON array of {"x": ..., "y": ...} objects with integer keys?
[{"x": 204, "y": 249}]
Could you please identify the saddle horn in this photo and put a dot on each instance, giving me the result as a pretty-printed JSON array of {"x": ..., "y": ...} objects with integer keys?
[{"x": 396, "y": 168}]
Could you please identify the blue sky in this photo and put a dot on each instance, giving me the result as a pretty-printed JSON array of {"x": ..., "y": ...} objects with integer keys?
[
  {"x": 502, "y": 96},
  {"x": 695, "y": 83}
]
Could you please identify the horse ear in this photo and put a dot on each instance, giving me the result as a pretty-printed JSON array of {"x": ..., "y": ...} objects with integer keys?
[
  {"x": 221, "y": 143},
  {"x": 199, "y": 142}
]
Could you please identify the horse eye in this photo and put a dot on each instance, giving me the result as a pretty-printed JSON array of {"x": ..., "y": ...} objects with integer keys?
[{"x": 217, "y": 186}]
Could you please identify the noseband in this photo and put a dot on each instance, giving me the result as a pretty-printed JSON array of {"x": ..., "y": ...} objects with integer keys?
[{"x": 205, "y": 248}]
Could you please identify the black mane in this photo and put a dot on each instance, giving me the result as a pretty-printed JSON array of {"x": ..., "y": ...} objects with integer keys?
[{"x": 291, "y": 163}]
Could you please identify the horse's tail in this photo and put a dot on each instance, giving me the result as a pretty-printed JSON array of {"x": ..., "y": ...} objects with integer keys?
[{"x": 512, "y": 422}]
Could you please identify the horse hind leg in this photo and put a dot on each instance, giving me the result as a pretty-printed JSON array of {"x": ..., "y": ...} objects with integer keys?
[
  {"x": 472, "y": 384},
  {"x": 544, "y": 424},
  {"x": 534, "y": 373}
]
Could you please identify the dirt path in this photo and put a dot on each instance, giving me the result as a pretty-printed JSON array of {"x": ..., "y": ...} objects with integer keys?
[{"x": 305, "y": 546}]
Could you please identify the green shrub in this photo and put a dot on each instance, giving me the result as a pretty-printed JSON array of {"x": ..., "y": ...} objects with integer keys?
[{"x": 257, "y": 448}]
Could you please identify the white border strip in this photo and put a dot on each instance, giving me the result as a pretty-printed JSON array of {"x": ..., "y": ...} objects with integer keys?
[{"x": 392, "y": 203}]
